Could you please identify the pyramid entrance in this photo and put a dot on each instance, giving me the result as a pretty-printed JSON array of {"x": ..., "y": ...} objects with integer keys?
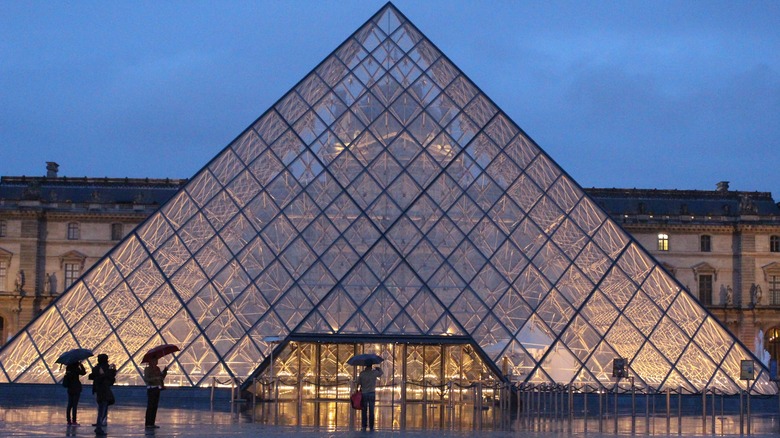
[{"x": 424, "y": 384}]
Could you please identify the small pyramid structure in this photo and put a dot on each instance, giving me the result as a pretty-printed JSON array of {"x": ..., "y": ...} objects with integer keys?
[{"x": 386, "y": 195}]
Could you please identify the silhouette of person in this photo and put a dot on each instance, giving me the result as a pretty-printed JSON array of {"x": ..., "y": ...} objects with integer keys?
[
  {"x": 103, "y": 376},
  {"x": 72, "y": 381},
  {"x": 154, "y": 379},
  {"x": 367, "y": 385}
]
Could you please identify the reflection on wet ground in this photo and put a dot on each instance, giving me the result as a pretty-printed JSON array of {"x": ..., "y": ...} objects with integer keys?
[{"x": 32, "y": 410}]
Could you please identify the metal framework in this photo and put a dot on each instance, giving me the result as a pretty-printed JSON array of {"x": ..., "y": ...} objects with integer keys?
[{"x": 385, "y": 195}]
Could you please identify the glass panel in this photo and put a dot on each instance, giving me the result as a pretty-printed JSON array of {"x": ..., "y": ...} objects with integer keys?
[
  {"x": 468, "y": 310},
  {"x": 555, "y": 311},
  {"x": 668, "y": 339},
  {"x": 561, "y": 365},
  {"x": 226, "y": 166},
  {"x": 599, "y": 312},
  {"x": 489, "y": 285},
  {"x": 248, "y": 146},
  {"x": 625, "y": 338},
  {"x": 487, "y": 237},
  {"x": 574, "y": 286},
  {"x": 503, "y": 171},
  {"x": 202, "y": 188},
  {"x": 154, "y": 231}
]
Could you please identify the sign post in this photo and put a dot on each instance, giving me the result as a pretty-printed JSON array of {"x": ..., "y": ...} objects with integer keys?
[{"x": 619, "y": 370}]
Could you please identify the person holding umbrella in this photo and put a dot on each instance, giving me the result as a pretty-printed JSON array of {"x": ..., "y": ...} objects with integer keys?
[
  {"x": 367, "y": 385},
  {"x": 154, "y": 379},
  {"x": 72, "y": 381}
]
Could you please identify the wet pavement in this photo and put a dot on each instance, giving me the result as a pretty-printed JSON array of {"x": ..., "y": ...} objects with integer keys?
[{"x": 39, "y": 411}]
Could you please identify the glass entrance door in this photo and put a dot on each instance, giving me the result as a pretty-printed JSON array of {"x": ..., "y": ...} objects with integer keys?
[{"x": 423, "y": 386}]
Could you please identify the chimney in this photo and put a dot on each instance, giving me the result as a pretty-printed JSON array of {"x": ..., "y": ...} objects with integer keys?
[
  {"x": 723, "y": 186},
  {"x": 51, "y": 169}
]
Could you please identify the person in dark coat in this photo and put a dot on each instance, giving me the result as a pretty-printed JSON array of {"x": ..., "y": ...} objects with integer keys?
[
  {"x": 72, "y": 381},
  {"x": 103, "y": 376},
  {"x": 154, "y": 379}
]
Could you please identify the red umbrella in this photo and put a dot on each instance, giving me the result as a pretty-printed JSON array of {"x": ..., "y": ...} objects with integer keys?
[{"x": 158, "y": 352}]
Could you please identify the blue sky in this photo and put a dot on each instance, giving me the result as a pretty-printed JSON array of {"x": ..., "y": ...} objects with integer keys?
[{"x": 660, "y": 94}]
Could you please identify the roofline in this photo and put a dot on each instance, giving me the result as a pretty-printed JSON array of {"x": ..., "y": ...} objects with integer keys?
[
  {"x": 105, "y": 181},
  {"x": 674, "y": 193}
]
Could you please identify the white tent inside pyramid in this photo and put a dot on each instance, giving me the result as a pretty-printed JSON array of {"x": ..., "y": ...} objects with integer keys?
[{"x": 385, "y": 201}]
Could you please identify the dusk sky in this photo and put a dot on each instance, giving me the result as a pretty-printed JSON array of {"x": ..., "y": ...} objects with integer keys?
[{"x": 645, "y": 94}]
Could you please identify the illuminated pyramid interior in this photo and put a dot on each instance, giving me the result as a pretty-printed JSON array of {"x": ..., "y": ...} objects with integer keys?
[{"x": 385, "y": 201}]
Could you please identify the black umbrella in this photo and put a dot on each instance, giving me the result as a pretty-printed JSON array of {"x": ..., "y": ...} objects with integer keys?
[
  {"x": 73, "y": 356},
  {"x": 365, "y": 359}
]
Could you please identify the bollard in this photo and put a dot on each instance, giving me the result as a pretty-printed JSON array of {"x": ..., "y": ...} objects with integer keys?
[
  {"x": 601, "y": 411},
  {"x": 479, "y": 404},
  {"x": 741, "y": 414},
  {"x": 679, "y": 412},
  {"x": 748, "y": 408},
  {"x": 704, "y": 411},
  {"x": 585, "y": 410},
  {"x": 276, "y": 400},
  {"x": 713, "y": 412},
  {"x": 617, "y": 392},
  {"x": 538, "y": 402},
  {"x": 633, "y": 406},
  {"x": 668, "y": 410},
  {"x": 647, "y": 410},
  {"x": 450, "y": 405}
]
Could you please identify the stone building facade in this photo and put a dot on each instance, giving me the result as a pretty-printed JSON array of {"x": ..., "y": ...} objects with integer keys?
[
  {"x": 53, "y": 228},
  {"x": 723, "y": 245}
]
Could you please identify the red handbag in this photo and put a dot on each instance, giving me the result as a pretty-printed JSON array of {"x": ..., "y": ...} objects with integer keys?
[{"x": 357, "y": 400}]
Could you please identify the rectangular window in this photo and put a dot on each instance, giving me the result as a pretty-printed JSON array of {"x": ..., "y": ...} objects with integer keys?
[
  {"x": 774, "y": 243},
  {"x": 663, "y": 242},
  {"x": 3, "y": 228},
  {"x": 3, "y": 274},
  {"x": 73, "y": 231},
  {"x": 72, "y": 272},
  {"x": 705, "y": 289},
  {"x": 116, "y": 231},
  {"x": 774, "y": 290},
  {"x": 706, "y": 243}
]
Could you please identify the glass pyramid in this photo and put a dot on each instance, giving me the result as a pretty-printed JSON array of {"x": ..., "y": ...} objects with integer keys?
[{"x": 386, "y": 196}]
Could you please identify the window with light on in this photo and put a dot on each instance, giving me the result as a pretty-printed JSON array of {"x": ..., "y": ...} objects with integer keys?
[{"x": 663, "y": 242}]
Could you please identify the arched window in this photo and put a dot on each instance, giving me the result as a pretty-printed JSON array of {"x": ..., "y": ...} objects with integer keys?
[{"x": 772, "y": 340}]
